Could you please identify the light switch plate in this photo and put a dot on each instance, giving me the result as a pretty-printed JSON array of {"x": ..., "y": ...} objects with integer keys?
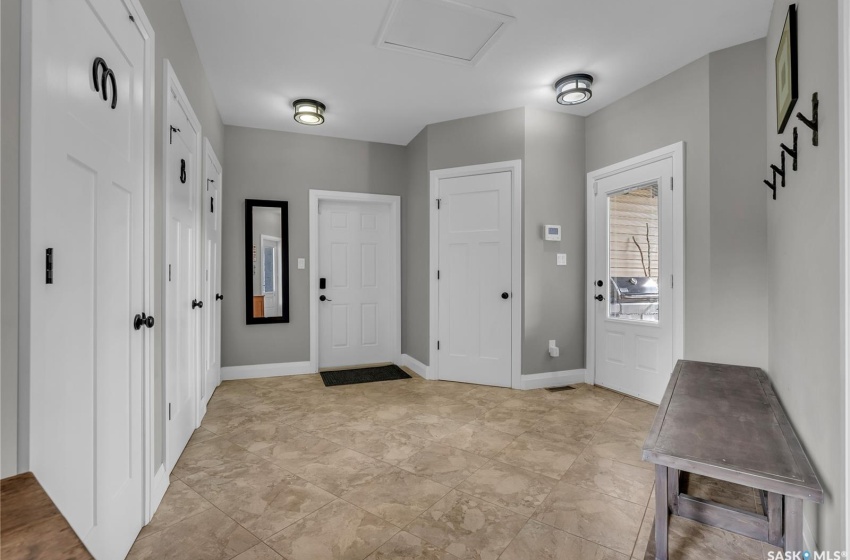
[
  {"x": 302, "y": 263},
  {"x": 562, "y": 259}
]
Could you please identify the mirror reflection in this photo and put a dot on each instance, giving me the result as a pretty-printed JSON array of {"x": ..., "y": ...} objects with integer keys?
[{"x": 267, "y": 254}]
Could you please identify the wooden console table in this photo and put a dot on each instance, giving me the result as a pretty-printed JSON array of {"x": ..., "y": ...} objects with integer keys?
[{"x": 725, "y": 422}]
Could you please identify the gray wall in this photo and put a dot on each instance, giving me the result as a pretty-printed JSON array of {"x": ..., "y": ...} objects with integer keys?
[
  {"x": 803, "y": 252},
  {"x": 415, "y": 280},
  {"x": 10, "y": 78},
  {"x": 554, "y": 193},
  {"x": 285, "y": 166},
  {"x": 737, "y": 213}
]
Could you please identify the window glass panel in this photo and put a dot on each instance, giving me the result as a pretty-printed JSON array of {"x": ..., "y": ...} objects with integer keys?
[
  {"x": 268, "y": 269},
  {"x": 633, "y": 259}
]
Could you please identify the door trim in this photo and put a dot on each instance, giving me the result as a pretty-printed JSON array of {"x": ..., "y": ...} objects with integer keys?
[
  {"x": 844, "y": 217},
  {"x": 515, "y": 168},
  {"x": 394, "y": 202},
  {"x": 171, "y": 82},
  {"x": 676, "y": 153}
]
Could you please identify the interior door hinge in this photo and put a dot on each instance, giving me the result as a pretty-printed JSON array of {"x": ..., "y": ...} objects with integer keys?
[
  {"x": 671, "y": 183},
  {"x": 169, "y": 273},
  {"x": 438, "y": 345},
  {"x": 438, "y": 203},
  {"x": 438, "y": 275},
  {"x": 595, "y": 189},
  {"x": 671, "y": 280},
  {"x": 169, "y": 411}
]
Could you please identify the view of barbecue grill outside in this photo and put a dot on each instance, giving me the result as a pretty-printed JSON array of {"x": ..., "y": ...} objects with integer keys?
[{"x": 633, "y": 259}]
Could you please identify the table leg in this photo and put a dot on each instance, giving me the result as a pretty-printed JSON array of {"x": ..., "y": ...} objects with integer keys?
[
  {"x": 773, "y": 511},
  {"x": 673, "y": 476},
  {"x": 793, "y": 524},
  {"x": 662, "y": 512}
]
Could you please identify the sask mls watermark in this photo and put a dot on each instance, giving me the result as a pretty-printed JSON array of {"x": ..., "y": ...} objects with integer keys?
[{"x": 806, "y": 555}]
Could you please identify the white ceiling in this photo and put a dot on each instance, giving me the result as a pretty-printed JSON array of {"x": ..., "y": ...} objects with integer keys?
[{"x": 260, "y": 55}]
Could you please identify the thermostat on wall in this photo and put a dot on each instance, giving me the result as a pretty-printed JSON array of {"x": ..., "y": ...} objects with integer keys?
[{"x": 552, "y": 233}]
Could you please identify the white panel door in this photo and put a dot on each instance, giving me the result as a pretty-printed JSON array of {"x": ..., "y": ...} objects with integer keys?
[
  {"x": 475, "y": 279},
  {"x": 633, "y": 257},
  {"x": 87, "y": 172},
  {"x": 357, "y": 308},
  {"x": 212, "y": 275},
  {"x": 183, "y": 304}
]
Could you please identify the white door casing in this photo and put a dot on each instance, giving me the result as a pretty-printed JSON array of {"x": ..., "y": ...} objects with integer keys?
[
  {"x": 488, "y": 348},
  {"x": 86, "y": 195},
  {"x": 633, "y": 347},
  {"x": 357, "y": 260},
  {"x": 182, "y": 340},
  {"x": 211, "y": 207},
  {"x": 387, "y": 347},
  {"x": 474, "y": 277}
]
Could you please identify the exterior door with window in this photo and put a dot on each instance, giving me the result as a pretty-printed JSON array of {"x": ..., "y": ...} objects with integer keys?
[{"x": 633, "y": 282}]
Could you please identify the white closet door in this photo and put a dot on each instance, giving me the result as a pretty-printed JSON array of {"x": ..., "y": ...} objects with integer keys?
[
  {"x": 212, "y": 273},
  {"x": 86, "y": 192}
]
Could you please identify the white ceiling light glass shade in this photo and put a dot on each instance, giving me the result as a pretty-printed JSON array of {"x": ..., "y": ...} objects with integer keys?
[
  {"x": 309, "y": 112},
  {"x": 574, "y": 89}
]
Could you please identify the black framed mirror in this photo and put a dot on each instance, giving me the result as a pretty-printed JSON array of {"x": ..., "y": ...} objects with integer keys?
[{"x": 266, "y": 262}]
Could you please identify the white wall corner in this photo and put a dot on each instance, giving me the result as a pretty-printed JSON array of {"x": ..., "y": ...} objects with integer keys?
[
  {"x": 418, "y": 367},
  {"x": 808, "y": 536},
  {"x": 552, "y": 379},
  {"x": 266, "y": 370}
]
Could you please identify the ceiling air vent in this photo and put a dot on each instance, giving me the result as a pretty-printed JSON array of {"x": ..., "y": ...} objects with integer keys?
[{"x": 441, "y": 29}]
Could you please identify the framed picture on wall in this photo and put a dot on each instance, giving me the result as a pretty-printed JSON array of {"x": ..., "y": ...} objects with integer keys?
[{"x": 786, "y": 70}]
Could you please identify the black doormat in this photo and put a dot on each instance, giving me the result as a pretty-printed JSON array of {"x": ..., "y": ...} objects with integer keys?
[{"x": 362, "y": 375}]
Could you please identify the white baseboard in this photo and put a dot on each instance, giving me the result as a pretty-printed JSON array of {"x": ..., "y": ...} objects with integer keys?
[
  {"x": 414, "y": 364},
  {"x": 553, "y": 379},
  {"x": 265, "y": 370}
]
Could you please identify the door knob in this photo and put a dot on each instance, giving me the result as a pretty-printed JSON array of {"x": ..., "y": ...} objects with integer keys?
[
  {"x": 505, "y": 295},
  {"x": 600, "y": 297},
  {"x": 324, "y": 298},
  {"x": 143, "y": 320},
  {"x": 599, "y": 283},
  {"x": 218, "y": 297},
  {"x": 196, "y": 303}
]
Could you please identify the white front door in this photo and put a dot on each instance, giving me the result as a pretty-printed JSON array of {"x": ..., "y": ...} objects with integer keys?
[
  {"x": 475, "y": 279},
  {"x": 357, "y": 262},
  {"x": 212, "y": 274},
  {"x": 86, "y": 222},
  {"x": 634, "y": 262},
  {"x": 183, "y": 292}
]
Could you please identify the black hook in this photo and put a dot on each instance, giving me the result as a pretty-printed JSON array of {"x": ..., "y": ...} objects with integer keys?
[
  {"x": 171, "y": 134},
  {"x": 111, "y": 75},
  {"x": 98, "y": 63},
  {"x": 772, "y": 185},
  {"x": 182, "y": 170},
  {"x": 792, "y": 152},
  {"x": 813, "y": 124},
  {"x": 778, "y": 171}
]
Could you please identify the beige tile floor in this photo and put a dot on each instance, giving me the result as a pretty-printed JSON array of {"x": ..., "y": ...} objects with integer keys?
[{"x": 412, "y": 469}]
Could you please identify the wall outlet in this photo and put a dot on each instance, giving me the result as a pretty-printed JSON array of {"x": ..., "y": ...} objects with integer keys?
[
  {"x": 562, "y": 259},
  {"x": 302, "y": 263}
]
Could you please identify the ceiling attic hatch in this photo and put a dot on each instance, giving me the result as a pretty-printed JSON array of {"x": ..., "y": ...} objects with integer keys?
[{"x": 441, "y": 29}]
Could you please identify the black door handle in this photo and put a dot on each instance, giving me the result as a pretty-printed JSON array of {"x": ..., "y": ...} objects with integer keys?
[
  {"x": 324, "y": 298},
  {"x": 599, "y": 283},
  {"x": 600, "y": 297},
  {"x": 196, "y": 303},
  {"x": 143, "y": 320},
  {"x": 505, "y": 295},
  {"x": 218, "y": 297}
]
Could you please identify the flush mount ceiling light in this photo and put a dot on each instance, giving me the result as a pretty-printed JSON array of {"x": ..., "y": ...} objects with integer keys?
[
  {"x": 309, "y": 112},
  {"x": 574, "y": 89}
]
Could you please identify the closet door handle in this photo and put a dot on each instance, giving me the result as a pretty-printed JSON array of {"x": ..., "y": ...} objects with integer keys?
[
  {"x": 218, "y": 297},
  {"x": 196, "y": 303},
  {"x": 600, "y": 297}
]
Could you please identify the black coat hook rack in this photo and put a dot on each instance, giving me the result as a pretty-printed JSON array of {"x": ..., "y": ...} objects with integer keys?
[
  {"x": 792, "y": 152},
  {"x": 813, "y": 123}
]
